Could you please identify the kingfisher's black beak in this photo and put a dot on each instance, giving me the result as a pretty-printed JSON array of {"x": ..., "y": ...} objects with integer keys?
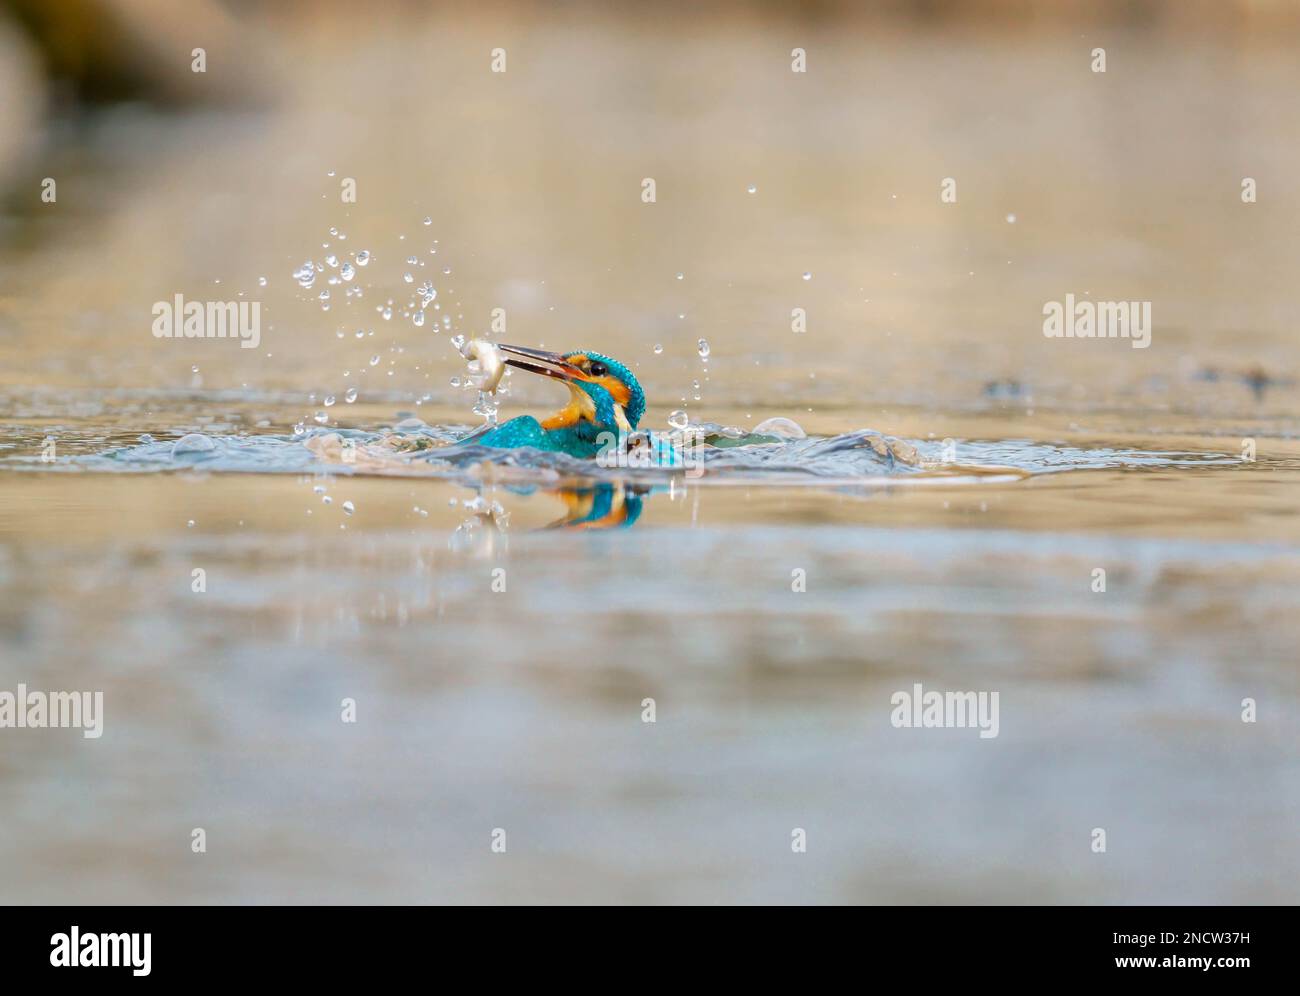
[{"x": 539, "y": 361}]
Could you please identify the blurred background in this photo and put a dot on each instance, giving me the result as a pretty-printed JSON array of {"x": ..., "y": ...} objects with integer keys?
[
  {"x": 1124, "y": 185},
  {"x": 774, "y": 191}
]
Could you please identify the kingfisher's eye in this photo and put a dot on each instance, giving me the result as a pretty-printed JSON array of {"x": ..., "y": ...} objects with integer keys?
[{"x": 598, "y": 370}]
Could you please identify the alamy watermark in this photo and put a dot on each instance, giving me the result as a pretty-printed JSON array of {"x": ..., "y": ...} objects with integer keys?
[
  {"x": 23, "y": 709},
  {"x": 641, "y": 449},
  {"x": 1086, "y": 319},
  {"x": 102, "y": 950},
  {"x": 181, "y": 319},
  {"x": 919, "y": 709}
]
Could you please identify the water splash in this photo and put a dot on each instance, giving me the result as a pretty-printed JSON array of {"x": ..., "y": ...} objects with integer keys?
[{"x": 414, "y": 448}]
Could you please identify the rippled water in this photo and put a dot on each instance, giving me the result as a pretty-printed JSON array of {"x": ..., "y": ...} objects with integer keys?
[{"x": 521, "y": 708}]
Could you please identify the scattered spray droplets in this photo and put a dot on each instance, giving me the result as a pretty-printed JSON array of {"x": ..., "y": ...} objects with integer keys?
[
  {"x": 486, "y": 406},
  {"x": 347, "y": 271}
]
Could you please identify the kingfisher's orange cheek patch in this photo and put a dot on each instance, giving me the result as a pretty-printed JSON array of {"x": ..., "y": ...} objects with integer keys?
[{"x": 616, "y": 388}]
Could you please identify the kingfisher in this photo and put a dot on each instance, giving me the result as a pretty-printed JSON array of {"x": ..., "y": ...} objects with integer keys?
[{"x": 604, "y": 397}]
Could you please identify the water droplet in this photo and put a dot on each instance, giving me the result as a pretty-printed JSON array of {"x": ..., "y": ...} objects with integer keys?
[
  {"x": 428, "y": 221},
  {"x": 679, "y": 420},
  {"x": 752, "y": 189},
  {"x": 327, "y": 500},
  {"x": 455, "y": 382},
  {"x": 807, "y": 276},
  {"x": 1011, "y": 219},
  {"x": 681, "y": 276},
  {"x": 408, "y": 278},
  {"x": 190, "y": 523},
  {"x": 486, "y": 405},
  {"x": 418, "y": 318},
  {"x": 321, "y": 418},
  {"x": 658, "y": 348},
  {"x": 704, "y": 349},
  {"x": 261, "y": 281},
  {"x": 351, "y": 395},
  {"x": 347, "y": 272},
  {"x": 299, "y": 429},
  {"x": 363, "y": 257},
  {"x": 329, "y": 401},
  {"x": 349, "y": 507},
  {"x": 783, "y": 427},
  {"x": 374, "y": 360}
]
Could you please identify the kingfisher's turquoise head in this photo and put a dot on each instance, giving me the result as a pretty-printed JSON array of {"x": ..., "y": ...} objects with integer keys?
[{"x": 603, "y": 393}]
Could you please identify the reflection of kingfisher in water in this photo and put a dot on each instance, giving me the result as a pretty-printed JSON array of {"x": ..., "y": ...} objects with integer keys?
[
  {"x": 604, "y": 397},
  {"x": 599, "y": 505},
  {"x": 603, "y": 505}
]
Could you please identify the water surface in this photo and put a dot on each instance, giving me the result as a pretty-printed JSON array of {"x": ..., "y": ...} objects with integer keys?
[{"x": 521, "y": 708}]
